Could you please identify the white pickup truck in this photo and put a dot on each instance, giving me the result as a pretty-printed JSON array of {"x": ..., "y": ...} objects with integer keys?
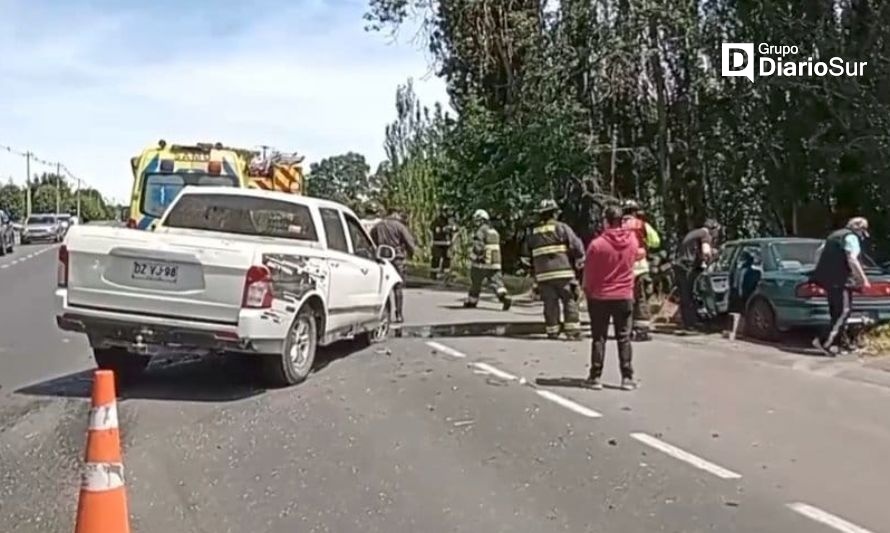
[{"x": 227, "y": 271}]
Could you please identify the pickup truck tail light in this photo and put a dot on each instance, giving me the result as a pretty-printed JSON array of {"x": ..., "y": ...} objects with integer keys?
[
  {"x": 63, "y": 266},
  {"x": 258, "y": 290},
  {"x": 810, "y": 290},
  {"x": 131, "y": 223}
]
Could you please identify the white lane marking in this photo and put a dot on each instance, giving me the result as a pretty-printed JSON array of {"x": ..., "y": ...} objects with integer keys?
[
  {"x": 4, "y": 266},
  {"x": 495, "y": 371},
  {"x": 687, "y": 457},
  {"x": 445, "y": 349},
  {"x": 568, "y": 404},
  {"x": 830, "y": 520}
]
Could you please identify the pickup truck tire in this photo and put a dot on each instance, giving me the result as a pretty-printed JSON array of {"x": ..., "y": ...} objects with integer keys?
[
  {"x": 125, "y": 365},
  {"x": 379, "y": 333},
  {"x": 297, "y": 356},
  {"x": 3, "y": 248}
]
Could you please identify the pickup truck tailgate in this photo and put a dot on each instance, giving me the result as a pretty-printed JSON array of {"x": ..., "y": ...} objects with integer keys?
[{"x": 165, "y": 275}]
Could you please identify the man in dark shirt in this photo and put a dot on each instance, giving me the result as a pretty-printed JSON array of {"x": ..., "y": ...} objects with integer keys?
[
  {"x": 695, "y": 251},
  {"x": 838, "y": 270},
  {"x": 392, "y": 232}
]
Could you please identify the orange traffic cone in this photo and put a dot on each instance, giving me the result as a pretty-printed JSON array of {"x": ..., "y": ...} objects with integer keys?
[{"x": 102, "y": 507}]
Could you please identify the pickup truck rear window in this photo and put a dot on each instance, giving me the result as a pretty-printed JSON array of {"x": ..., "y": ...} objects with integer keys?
[
  {"x": 159, "y": 190},
  {"x": 244, "y": 215}
]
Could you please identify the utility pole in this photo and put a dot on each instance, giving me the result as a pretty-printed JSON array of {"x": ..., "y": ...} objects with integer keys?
[
  {"x": 28, "y": 183},
  {"x": 58, "y": 188},
  {"x": 79, "y": 218}
]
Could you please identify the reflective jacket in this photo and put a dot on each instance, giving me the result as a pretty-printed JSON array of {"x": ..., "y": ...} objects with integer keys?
[
  {"x": 555, "y": 251},
  {"x": 647, "y": 238},
  {"x": 486, "y": 248},
  {"x": 443, "y": 232}
]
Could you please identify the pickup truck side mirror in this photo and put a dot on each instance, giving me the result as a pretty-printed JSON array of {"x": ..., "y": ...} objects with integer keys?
[{"x": 385, "y": 253}]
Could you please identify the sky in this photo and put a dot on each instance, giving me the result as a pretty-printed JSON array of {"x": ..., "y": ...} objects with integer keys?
[{"x": 92, "y": 83}]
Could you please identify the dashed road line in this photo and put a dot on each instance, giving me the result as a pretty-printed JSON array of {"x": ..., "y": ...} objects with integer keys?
[
  {"x": 495, "y": 371},
  {"x": 568, "y": 404},
  {"x": 826, "y": 518},
  {"x": 445, "y": 349},
  {"x": 685, "y": 456},
  {"x": 487, "y": 369}
]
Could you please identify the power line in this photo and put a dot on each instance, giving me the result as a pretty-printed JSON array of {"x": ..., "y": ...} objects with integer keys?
[{"x": 30, "y": 157}]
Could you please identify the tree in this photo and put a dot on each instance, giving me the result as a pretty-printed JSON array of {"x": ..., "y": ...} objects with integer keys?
[
  {"x": 12, "y": 199},
  {"x": 623, "y": 98},
  {"x": 342, "y": 178}
]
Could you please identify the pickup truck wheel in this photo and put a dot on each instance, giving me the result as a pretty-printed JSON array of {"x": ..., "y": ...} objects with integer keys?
[
  {"x": 3, "y": 248},
  {"x": 381, "y": 332},
  {"x": 126, "y": 366},
  {"x": 295, "y": 362}
]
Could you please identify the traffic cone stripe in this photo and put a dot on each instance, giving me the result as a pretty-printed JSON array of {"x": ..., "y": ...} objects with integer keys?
[
  {"x": 101, "y": 477},
  {"x": 104, "y": 417}
]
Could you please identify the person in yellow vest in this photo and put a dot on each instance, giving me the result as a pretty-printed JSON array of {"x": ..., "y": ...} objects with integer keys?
[
  {"x": 485, "y": 266},
  {"x": 648, "y": 239},
  {"x": 556, "y": 254}
]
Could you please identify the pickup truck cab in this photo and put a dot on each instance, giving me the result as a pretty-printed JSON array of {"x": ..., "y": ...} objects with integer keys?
[{"x": 227, "y": 271}]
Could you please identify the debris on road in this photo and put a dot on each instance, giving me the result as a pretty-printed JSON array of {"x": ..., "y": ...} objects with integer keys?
[
  {"x": 462, "y": 423},
  {"x": 613, "y": 442}
]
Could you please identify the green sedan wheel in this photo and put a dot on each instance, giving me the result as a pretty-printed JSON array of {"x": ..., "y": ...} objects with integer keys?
[{"x": 760, "y": 320}]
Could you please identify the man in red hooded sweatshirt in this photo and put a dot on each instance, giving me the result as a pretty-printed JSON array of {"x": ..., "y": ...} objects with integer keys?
[{"x": 609, "y": 287}]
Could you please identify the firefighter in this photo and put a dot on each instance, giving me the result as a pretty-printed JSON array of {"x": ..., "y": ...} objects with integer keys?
[
  {"x": 485, "y": 266},
  {"x": 648, "y": 239},
  {"x": 556, "y": 253},
  {"x": 443, "y": 232}
]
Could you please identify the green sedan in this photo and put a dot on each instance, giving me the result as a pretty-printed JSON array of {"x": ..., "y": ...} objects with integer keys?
[{"x": 767, "y": 280}]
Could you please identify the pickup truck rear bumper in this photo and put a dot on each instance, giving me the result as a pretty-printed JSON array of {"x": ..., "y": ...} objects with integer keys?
[{"x": 257, "y": 330}]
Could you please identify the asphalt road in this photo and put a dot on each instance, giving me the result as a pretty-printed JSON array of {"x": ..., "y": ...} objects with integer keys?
[{"x": 443, "y": 435}]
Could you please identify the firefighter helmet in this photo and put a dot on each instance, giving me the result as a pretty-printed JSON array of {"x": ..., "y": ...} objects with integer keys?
[
  {"x": 630, "y": 206},
  {"x": 481, "y": 214},
  {"x": 547, "y": 206}
]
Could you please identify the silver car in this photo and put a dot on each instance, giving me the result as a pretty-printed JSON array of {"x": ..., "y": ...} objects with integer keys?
[{"x": 42, "y": 228}]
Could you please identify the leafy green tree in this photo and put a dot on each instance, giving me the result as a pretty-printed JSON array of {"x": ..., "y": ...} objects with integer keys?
[
  {"x": 342, "y": 178},
  {"x": 12, "y": 199},
  {"x": 603, "y": 98}
]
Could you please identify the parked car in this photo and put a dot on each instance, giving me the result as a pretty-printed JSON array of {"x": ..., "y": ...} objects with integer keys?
[
  {"x": 768, "y": 281},
  {"x": 7, "y": 234},
  {"x": 228, "y": 270},
  {"x": 65, "y": 220},
  {"x": 43, "y": 227}
]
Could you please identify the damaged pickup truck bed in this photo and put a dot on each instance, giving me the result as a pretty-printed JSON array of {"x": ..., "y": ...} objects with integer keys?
[{"x": 227, "y": 271}]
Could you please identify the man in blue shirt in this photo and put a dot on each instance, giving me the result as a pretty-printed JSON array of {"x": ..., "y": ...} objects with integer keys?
[{"x": 837, "y": 272}]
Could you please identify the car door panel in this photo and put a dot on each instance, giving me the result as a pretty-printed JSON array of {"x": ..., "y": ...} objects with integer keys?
[
  {"x": 719, "y": 278},
  {"x": 363, "y": 253},
  {"x": 344, "y": 291}
]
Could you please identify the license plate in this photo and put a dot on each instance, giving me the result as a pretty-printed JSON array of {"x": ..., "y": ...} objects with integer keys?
[{"x": 164, "y": 272}]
